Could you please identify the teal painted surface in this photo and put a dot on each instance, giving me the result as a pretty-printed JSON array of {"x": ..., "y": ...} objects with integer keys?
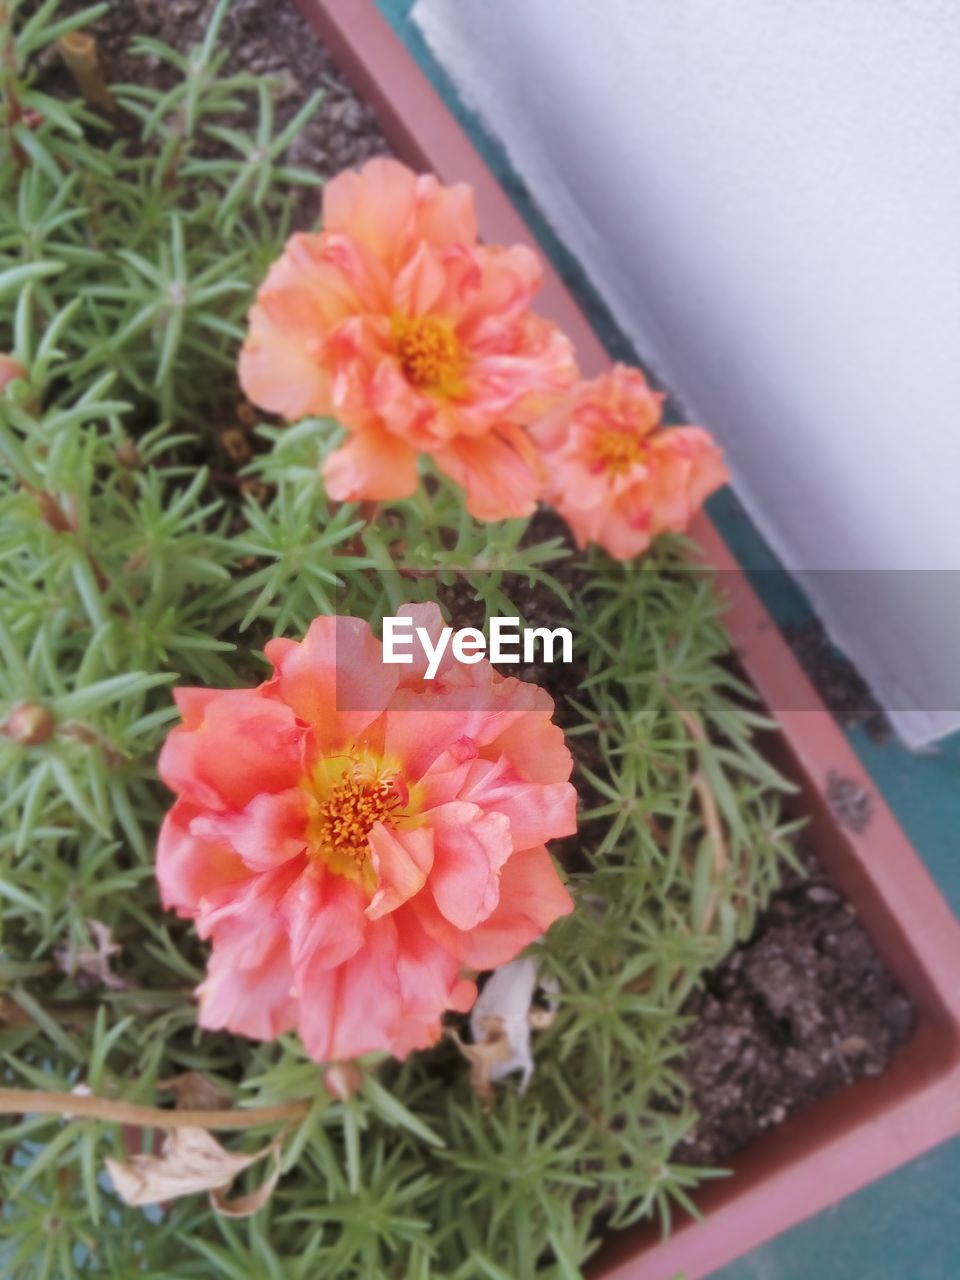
[
  {"x": 904, "y": 1227},
  {"x": 907, "y": 1226}
]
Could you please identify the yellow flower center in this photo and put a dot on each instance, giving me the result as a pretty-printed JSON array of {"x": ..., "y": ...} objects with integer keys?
[
  {"x": 349, "y": 795},
  {"x": 430, "y": 354},
  {"x": 616, "y": 451}
]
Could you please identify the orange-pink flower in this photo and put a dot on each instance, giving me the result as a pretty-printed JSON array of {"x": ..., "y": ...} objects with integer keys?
[
  {"x": 616, "y": 475},
  {"x": 351, "y": 836},
  {"x": 417, "y": 338}
]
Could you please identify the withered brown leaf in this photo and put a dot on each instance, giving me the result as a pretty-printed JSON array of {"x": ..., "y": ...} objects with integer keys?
[{"x": 192, "y": 1160}]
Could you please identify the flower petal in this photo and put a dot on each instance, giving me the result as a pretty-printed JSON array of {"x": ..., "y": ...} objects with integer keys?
[
  {"x": 247, "y": 989},
  {"x": 335, "y": 680},
  {"x": 430, "y": 983},
  {"x": 372, "y": 465},
  {"x": 532, "y": 897},
  {"x": 470, "y": 848},
  {"x": 323, "y": 914},
  {"x": 420, "y": 282},
  {"x": 499, "y": 471},
  {"x": 445, "y": 215},
  {"x": 267, "y": 831},
  {"x": 279, "y": 373},
  {"x": 464, "y": 704},
  {"x": 245, "y": 744},
  {"x": 190, "y": 869},
  {"x": 403, "y": 859},
  {"x": 534, "y": 745},
  {"x": 537, "y": 814},
  {"x": 352, "y": 1010},
  {"x": 376, "y": 206}
]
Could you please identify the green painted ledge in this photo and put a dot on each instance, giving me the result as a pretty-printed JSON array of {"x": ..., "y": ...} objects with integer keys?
[{"x": 907, "y": 1226}]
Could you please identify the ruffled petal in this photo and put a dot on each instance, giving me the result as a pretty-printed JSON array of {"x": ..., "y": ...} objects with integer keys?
[
  {"x": 353, "y": 1009},
  {"x": 532, "y": 897},
  {"x": 376, "y": 206},
  {"x": 372, "y": 465},
  {"x": 503, "y": 284},
  {"x": 323, "y": 914},
  {"x": 500, "y": 473},
  {"x": 424, "y": 618},
  {"x": 280, "y": 373},
  {"x": 470, "y": 847},
  {"x": 521, "y": 371},
  {"x": 430, "y": 983},
  {"x": 269, "y": 830},
  {"x": 534, "y": 745},
  {"x": 477, "y": 706},
  {"x": 245, "y": 744},
  {"x": 402, "y": 859},
  {"x": 247, "y": 989},
  {"x": 419, "y": 284},
  {"x": 536, "y": 814},
  {"x": 191, "y": 869},
  {"x": 445, "y": 216},
  {"x": 621, "y": 536},
  {"x": 335, "y": 680}
]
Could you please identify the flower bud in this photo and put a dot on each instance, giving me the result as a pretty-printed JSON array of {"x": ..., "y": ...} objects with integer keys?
[
  {"x": 10, "y": 370},
  {"x": 127, "y": 453},
  {"x": 29, "y": 724},
  {"x": 342, "y": 1080}
]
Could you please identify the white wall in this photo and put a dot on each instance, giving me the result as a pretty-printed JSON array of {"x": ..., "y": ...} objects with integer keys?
[{"x": 767, "y": 194}]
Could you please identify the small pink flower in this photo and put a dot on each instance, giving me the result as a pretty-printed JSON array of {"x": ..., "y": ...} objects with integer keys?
[
  {"x": 418, "y": 339},
  {"x": 616, "y": 474},
  {"x": 350, "y": 836}
]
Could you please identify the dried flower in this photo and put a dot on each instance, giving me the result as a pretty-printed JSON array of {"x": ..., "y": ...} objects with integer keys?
[
  {"x": 416, "y": 337},
  {"x": 342, "y": 1080},
  {"x": 505, "y": 1006},
  {"x": 90, "y": 966},
  {"x": 10, "y": 370},
  {"x": 29, "y": 725},
  {"x": 195, "y": 1091},
  {"x": 127, "y": 454},
  {"x": 616, "y": 475},
  {"x": 348, "y": 837}
]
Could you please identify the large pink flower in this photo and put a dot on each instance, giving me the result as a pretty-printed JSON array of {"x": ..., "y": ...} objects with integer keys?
[
  {"x": 351, "y": 836},
  {"x": 417, "y": 338},
  {"x": 616, "y": 475}
]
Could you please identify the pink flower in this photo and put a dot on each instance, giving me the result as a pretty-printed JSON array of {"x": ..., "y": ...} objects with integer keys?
[
  {"x": 350, "y": 836},
  {"x": 616, "y": 475},
  {"x": 415, "y": 337}
]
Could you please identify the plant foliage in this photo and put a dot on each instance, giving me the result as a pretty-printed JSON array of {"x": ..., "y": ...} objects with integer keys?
[{"x": 134, "y": 554}]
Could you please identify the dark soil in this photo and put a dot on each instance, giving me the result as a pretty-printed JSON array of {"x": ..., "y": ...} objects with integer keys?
[
  {"x": 803, "y": 1008},
  {"x": 265, "y": 38},
  {"x": 806, "y": 1006},
  {"x": 836, "y": 679}
]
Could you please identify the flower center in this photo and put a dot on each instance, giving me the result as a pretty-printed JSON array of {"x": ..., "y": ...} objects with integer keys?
[
  {"x": 616, "y": 451},
  {"x": 430, "y": 354},
  {"x": 349, "y": 795}
]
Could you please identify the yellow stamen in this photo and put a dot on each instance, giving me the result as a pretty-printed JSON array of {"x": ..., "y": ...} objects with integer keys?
[
  {"x": 617, "y": 451},
  {"x": 430, "y": 354},
  {"x": 349, "y": 795}
]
